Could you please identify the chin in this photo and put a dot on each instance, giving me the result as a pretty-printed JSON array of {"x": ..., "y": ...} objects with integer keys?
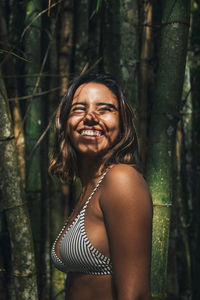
[{"x": 92, "y": 153}]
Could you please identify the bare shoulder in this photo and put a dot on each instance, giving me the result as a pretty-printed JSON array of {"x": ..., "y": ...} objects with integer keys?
[
  {"x": 124, "y": 184},
  {"x": 123, "y": 176}
]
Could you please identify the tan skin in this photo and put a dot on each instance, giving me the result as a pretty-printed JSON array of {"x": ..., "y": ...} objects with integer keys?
[{"x": 118, "y": 219}]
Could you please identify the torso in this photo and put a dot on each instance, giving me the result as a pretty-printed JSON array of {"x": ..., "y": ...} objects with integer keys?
[
  {"x": 85, "y": 286},
  {"x": 89, "y": 287}
]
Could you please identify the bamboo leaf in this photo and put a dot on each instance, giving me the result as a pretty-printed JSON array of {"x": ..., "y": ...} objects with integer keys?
[{"x": 98, "y": 5}]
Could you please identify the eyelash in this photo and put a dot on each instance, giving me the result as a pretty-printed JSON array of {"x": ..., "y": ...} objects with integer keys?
[
  {"x": 78, "y": 108},
  {"x": 105, "y": 109},
  {"x": 99, "y": 109}
]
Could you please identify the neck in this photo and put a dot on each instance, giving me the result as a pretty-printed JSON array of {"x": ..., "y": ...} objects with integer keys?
[{"x": 90, "y": 169}]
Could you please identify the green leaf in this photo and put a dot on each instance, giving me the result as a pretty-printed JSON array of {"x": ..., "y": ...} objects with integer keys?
[{"x": 98, "y": 5}]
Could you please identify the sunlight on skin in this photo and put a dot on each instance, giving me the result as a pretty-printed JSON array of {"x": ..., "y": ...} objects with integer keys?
[{"x": 93, "y": 123}]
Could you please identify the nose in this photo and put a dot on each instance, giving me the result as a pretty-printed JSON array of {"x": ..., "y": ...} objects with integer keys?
[{"x": 90, "y": 117}]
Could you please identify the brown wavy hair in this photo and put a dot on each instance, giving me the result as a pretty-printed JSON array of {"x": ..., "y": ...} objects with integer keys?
[{"x": 64, "y": 162}]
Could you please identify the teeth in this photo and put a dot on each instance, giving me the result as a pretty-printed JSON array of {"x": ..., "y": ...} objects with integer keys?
[{"x": 90, "y": 133}]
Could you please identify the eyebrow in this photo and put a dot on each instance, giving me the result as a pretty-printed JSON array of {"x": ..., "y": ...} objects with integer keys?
[
  {"x": 107, "y": 104},
  {"x": 98, "y": 104}
]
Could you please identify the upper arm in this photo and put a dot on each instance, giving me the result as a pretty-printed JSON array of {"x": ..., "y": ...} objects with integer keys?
[{"x": 127, "y": 211}]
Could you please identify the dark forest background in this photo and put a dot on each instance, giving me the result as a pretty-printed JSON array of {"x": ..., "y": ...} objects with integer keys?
[{"x": 153, "y": 49}]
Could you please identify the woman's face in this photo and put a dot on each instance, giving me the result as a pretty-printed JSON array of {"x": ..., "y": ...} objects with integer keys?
[{"x": 93, "y": 122}]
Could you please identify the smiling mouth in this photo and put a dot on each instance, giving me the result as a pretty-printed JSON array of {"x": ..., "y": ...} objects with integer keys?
[{"x": 92, "y": 133}]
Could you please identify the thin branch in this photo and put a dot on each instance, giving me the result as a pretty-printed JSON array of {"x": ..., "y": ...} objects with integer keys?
[
  {"x": 85, "y": 68},
  {"x": 38, "y": 16},
  {"x": 14, "y": 54},
  {"x": 34, "y": 95},
  {"x": 49, "y": 5},
  {"x": 35, "y": 75}
]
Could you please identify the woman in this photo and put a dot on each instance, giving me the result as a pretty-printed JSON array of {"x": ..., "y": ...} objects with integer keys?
[{"x": 105, "y": 247}]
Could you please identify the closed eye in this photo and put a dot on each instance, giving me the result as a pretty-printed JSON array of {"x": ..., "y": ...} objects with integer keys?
[
  {"x": 105, "y": 108},
  {"x": 78, "y": 108}
]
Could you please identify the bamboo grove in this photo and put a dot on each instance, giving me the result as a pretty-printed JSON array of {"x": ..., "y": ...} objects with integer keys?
[{"x": 153, "y": 49}]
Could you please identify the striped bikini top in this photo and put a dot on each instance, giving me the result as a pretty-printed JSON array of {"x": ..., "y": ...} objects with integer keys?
[{"x": 76, "y": 252}]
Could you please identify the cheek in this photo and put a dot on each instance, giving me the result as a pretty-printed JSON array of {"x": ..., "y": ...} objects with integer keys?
[
  {"x": 71, "y": 124},
  {"x": 113, "y": 126},
  {"x": 111, "y": 121}
]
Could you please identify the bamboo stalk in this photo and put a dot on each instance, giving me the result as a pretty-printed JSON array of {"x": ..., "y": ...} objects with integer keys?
[
  {"x": 81, "y": 17},
  {"x": 129, "y": 50},
  {"x": 11, "y": 87},
  {"x": 65, "y": 43},
  {"x": 23, "y": 275},
  {"x": 144, "y": 71},
  {"x": 166, "y": 102}
]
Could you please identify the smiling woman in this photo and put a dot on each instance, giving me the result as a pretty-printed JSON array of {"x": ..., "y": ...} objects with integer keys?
[
  {"x": 105, "y": 246},
  {"x": 93, "y": 125}
]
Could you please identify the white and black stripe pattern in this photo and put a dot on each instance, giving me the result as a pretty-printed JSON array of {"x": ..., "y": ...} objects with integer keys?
[{"x": 76, "y": 251}]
